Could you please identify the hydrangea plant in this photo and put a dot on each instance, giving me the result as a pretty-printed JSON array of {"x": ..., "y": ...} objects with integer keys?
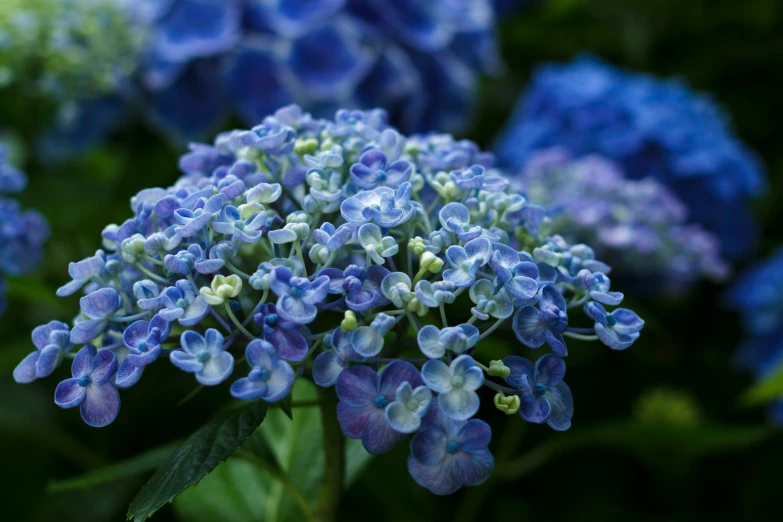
[
  {"x": 651, "y": 128},
  {"x": 22, "y": 232},
  {"x": 639, "y": 226},
  {"x": 302, "y": 248}
]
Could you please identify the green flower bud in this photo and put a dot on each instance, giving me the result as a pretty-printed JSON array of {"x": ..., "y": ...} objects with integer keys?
[
  {"x": 417, "y": 246},
  {"x": 430, "y": 262},
  {"x": 349, "y": 322},
  {"x": 417, "y": 307},
  {"x": 222, "y": 288},
  {"x": 498, "y": 369},
  {"x": 507, "y": 404},
  {"x": 305, "y": 146}
]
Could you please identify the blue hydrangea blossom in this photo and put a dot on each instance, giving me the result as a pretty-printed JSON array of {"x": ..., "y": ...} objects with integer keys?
[
  {"x": 22, "y": 232},
  {"x": 362, "y": 283},
  {"x": 421, "y": 61},
  {"x": 651, "y": 128},
  {"x": 758, "y": 297}
]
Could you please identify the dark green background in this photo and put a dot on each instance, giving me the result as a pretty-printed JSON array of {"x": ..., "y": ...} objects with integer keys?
[{"x": 608, "y": 467}]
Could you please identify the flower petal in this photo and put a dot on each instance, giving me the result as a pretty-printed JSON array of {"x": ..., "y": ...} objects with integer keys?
[
  {"x": 25, "y": 371},
  {"x": 101, "y": 405},
  {"x": 353, "y": 418},
  {"x": 357, "y": 386},
  {"x": 327, "y": 368},
  {"x": 246, "y": 389},
  {"x": 550, "y": 370},
  {"x": 216, "y": 369},
  {"x": 562, "y": 403},
  {"x": 397, "y": 373},
  {"x": 69, "y": 393},
  {"x": 280, "y": 382},
  {"x": 528, "y": 328},
  {"x": 459, "y": 404},
  {"x": 378, "y": 436},
  {"x": 437, "y": 376}
]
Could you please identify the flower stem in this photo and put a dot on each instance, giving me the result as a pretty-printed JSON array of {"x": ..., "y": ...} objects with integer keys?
[
  {"x": 491, "y": 329},
  {"x": 237, "y": 271},
  {"x": 236, "y": 321},
  {"x": 443, "y": 315},
  {"x": 580, "y": 336},
  {"x": 152, "y": 275},
  {"x": 220, "y": 320},
  {"x": 413, "y": 321},
  {"x": 334, "y": 464},
  {"x": 298, "y": 250},
  {"x": 498, "y": 388}
]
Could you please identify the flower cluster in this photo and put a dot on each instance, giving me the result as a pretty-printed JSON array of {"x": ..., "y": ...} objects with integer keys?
[
  {"x": 652, "y": 129},
  {"x": 758, "y": 297},
  {"x": 309, "y": 245},
  {"x": 67, "y": 48},
  {"x": 638, "y": 226},
  {"x": 420, "y": 60},
  {"x": 22, "y": 232}
]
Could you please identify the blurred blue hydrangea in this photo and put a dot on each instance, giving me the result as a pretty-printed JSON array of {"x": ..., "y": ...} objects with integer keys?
[
  {"x": 310, "y": 244},
  {"x": 651, "y": 128},
  {"x": 22, "y": 232},
  {"x": 204, "y": 60},
  {"x": 638, "y": 226},
  {"x": 758, "y": 297}
]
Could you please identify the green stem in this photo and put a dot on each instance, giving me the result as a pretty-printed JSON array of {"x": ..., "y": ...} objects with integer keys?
[
  {"x": 581, "y": 337},
  {"x": 151, "y": 275},
  {"x": 443, "y": 315},
  {"x": 334, "y": 468},
  {"x": 237, "y": 271},
  {"x": 419, "y": 275},
  {"x": 298, "y": 250},
  {"x": 491, "y": 329},
  {"x": 236, "y": 321}
]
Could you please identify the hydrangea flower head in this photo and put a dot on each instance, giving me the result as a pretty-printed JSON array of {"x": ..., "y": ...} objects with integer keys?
[
  {"x": 640, "y": 226},
  {"x": 651, "y": 128},
  {"x": 22, "y": 232},
  {"x": 362, "y": 283}
]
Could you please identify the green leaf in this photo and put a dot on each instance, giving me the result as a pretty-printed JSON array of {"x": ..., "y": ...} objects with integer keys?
[
  {"x": 280, "y": 465},
  {"x": 147, "y": 461},
  {"x": 768, "y": 389},
  {"x": 653, "y": 444},
  {"x": 198, "y": 455},
  {"x": 286, "y": 406}
]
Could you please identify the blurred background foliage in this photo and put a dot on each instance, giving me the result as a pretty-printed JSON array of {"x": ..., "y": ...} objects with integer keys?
[{"x": 658, "y": 433}]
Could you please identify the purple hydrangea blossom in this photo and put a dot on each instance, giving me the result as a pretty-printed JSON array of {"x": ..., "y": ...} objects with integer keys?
[
  {"x": 544, "y": 396},
  {"x": 205, "y": 356},
  {"x": 91, "y": 387},
  {"x": 282, "y": 335},
  {"x": 364, "y": 395},
  {"x": 143, "y": 340},
  {"x": 270, "y": 379},
  {"x": 52, "y": 342},
  {"x": 447, "y": 454}
]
